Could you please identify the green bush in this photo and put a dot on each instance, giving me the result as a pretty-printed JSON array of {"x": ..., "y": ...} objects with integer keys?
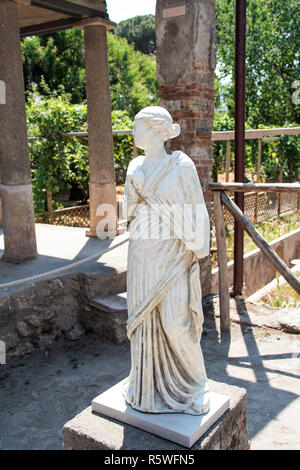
[
  {"x": 57, "y": 162},
  {"x": 54, "y": 63},
  {"x": 289, "y": 152},
  {"x": 123, "y": 144},
  {"x": 60, "y": 163}
]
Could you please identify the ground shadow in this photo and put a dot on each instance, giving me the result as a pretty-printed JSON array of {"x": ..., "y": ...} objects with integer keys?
[{"x": 265, "y": 400}]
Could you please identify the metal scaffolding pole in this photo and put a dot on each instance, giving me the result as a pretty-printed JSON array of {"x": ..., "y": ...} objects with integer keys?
[{"x": 240, "y": 54}]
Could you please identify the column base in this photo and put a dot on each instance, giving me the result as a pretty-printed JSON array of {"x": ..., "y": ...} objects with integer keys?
[
  {"x": 17, "y": 260},
  {"x": 18, "y": 223},
  {"x": 102, "y": 194}
]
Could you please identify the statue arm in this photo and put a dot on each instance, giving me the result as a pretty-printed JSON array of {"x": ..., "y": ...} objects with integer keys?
[
  {"x": 131, "y": 195},
  {"x": 197, "y": 226}
]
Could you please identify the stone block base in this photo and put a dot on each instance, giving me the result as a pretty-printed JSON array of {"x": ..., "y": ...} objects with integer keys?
[
  {"x": 92, "y": 431},
  {"x": 184, "y": 429}
]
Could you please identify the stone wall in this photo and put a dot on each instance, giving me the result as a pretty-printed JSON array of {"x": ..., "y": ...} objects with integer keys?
[
  {"x": 287, "y": 247},
  {"x": 34, "y": 316},
  {"x": 186, "y": 59}
]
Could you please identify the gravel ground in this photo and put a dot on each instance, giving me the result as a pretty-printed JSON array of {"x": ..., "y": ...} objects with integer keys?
[{"x": 39, "y": 393}]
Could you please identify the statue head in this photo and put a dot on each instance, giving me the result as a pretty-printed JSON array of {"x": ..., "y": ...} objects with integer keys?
[{"x": 154, "y": 123}]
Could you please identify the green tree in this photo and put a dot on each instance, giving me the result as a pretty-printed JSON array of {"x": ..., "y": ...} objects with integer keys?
[
  {"x": 57, "y": 60},
  {"x": 123, "y": 144},
  {"x": 57, "y": 162},
  {"x": 140, "y": 32},
  {"x": 60, "y": 163},
  {"x": 54, "y": 64},
  {"x": 272, "y": 59},
  {"x": 133, "y": 78}
]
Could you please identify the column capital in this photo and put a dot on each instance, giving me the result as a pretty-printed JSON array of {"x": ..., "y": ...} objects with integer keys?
[{"x": 95, "y": 21}]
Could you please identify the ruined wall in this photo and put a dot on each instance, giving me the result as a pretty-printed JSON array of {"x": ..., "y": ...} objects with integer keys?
[
  {"x": 186, "y": 56},
  {"x": 33, "y": 316}
]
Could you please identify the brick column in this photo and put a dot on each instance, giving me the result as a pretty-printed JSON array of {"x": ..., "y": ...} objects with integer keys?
[
  {"x": 186, "y": 55},
  {"x": 15, "y": 187},
  {"x": 101, "y": 153}
]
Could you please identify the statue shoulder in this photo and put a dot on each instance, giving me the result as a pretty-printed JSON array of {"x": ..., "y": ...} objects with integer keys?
[
  {"x": 135, "y": 165},
  {"x": 183, "y": 159},
  {"x": 135, "y": 171}
]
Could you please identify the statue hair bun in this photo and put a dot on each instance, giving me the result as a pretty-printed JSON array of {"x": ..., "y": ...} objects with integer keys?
[{"x": 176, "y": 129}]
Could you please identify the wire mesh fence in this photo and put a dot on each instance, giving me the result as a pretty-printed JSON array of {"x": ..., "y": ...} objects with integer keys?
[
  {"x": 262, "y": 206},
  {"x": 258, "y": 207},
  {"x": 77, "y": 216}
]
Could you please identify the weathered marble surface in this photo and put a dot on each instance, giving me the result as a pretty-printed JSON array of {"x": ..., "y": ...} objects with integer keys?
[{"x": 169, "y": 233}]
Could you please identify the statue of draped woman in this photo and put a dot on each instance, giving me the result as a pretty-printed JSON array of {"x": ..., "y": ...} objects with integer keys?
[{"x": 168, "y": 234}]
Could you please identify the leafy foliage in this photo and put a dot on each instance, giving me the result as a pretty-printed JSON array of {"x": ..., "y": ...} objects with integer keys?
[
  {"x": 57, "y": 162},
  {"x": 289, "y": 151},
  {"x": 60, "y": 163},
  {"x": 272, "y": 59},
  {"x": 54, "y": 64},
  {"x": 57, "y": 61},
  {"x": 133, "y": 79},
  {"x": 140, "y": 32},
  {"x": 123, "y": 144},
  {"x": 54, "y": 74},
  {"x": 224, "y": 123}
]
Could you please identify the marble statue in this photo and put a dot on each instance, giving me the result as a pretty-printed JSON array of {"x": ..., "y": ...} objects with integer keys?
[{"x": 165, "y": 315}]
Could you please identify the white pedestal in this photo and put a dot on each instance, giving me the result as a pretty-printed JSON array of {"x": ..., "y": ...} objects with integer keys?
[{"x": 181, "y": 428}]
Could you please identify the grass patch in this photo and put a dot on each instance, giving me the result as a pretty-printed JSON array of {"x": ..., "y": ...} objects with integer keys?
[
  {"x": 283, "y": 296},
  {"x": 270, "y": 230}
]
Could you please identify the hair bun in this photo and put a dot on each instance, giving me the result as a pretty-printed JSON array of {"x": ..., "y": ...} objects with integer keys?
[{"x": 176, "y": 129}]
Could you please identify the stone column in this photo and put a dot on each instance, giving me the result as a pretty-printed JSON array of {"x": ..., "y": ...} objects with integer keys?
[
  {"x": 186, "y": 57},
  {"x": 15, "y": 187},
  {"x": 101, "y": 154}
]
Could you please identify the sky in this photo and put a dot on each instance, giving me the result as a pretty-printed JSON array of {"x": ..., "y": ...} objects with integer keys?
[{"x": 120, "y": 10}]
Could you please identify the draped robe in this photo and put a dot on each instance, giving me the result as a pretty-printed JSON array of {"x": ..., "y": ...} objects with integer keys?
[{"x": 163, "y": 286}]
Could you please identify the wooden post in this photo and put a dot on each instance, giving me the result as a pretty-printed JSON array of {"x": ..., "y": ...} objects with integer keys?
[
  {"x": 258, "y": 160},
  {"x": 50, "y": 206},
  {"x": 257, "y": 178},
  {"x": 222, "y": 263},
  {"x": 228, "y": 142},
  {"x": 227, "y": 168},
  {"x": 279, "y": 195}
]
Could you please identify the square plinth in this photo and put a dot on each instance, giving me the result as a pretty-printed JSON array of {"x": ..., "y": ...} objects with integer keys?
[{"x": 183, "y": 429}]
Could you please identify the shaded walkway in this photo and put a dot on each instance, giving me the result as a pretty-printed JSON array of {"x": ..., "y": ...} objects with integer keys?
[{"x": 60, "y": 246}]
